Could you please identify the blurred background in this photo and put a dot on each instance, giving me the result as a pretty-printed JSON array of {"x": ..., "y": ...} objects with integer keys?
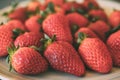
[{"x": 4, "y": 3}]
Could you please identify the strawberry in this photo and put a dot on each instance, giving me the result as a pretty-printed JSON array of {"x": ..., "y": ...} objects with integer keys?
[
  {"x": 32, "y": 24},
  {"x": 26, "y": 61},
  {"x": 63, "y": 57},
  {"x": 90, "y": 4},
  {"x": 114, "y": 18},
  {"x": 100, "y": 28},
  {"x": 32, "y": 6},
  {"x": 77, "y": 19},
  {"x": 5, "y": 41},
  {"x": 19, "y": 14},
  {"x": 28, "y": 39},
  {"x": 95, "y": 54},
  {"x": 86, "y": 31},
  {"x": 113, "y": 44},
  {"x": 55, "y": 2},
  {"x": 99, "y": 14},
  {"x": 57, "y": 24}
]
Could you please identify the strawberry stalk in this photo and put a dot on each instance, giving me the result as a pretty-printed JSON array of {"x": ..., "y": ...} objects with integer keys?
[{"x": 11, "y": 50}]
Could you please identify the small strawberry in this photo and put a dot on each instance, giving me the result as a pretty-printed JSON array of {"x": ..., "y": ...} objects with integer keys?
[
  {"x": 113, "y": 44},
  {"x": 90, "y": 4},
  {"x": 99, "y": 14},
  {"x": 95, "y": 54},
  {"x": 26, "y": 61},
  {"x": 77, "y": 19},
  {"x": 114, "y": 18},
  {"x": 86, "y": 31},
  {"x": 29, "y": 39},
  {"x": 5, "y": 41},
  {"x": 19, "y": 14},
  {"x": 32, "y": 24},
  {"x": 100, "y": 28},
  {"x": 63, "y": 57},
  {"x": 55, "y": 2},
  {"x": 57, "y": 24}
]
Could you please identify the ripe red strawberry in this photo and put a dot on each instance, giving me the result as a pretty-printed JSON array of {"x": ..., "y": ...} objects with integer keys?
[
  {"x": 99, "y": 14},
  {"x": 27, "y": 61},
  {"x": 63, "y": 57},
  {"x": 55, "y": 2},
  {"x": 29, "y": 39},
  {"x": 32, "y": 24},
  {"x": 77, "y": 19},
  {"x": 32, "y": 6},
  {"x": 113, "y": 44},
  {"x": 90, "y": 4},
  {"x": 100, "y": 28},
  {"x": 95, "y": 55},
  {"x": 57, "y": 24},
  {"x": 19, "y": 14},
  {"x": 86, "y": 31},
  {"x": 114, "y": 18},
  {"x": 5, "y": 41}
]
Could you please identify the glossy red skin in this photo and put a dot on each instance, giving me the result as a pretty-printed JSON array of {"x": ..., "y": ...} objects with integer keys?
[
  {"x": 32, "y": 6},
  {"x": 113, "y": 44},
  {"x": 28, "y": 61},
  {"x": 32, "y": 24},
  {"x": 29, "y": 39},
  {"x": 86, "y": 3},
  {"x": 77, "y": 19},
  {"x": 57, "y": 24},
  {"x": 19, "y": 14},
  {"x": 55, "y": 2},
  {"x": 100, "y": 28},
  {"x": 95, "y": 55},
  {"x": 63, "y": 57},
  {"x": 5, "y": 41},
  {"x": 86, "y": 31},
  {"x": 114, "y": 18},
  {"x": 99, "y": 13}
]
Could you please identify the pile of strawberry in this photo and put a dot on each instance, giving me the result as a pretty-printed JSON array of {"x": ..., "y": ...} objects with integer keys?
[{"x": 65, "y": 36}]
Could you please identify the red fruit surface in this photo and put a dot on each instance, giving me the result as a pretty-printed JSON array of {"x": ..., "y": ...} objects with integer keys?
[
  {"x": 100, "y": 14},
  {"x": 95, "y": 55},
  {"x": 32, "y": 24},
  {"x": 100, "y": 28},
  {"x": 19, "y": 14},
  {"x": 5, "y": 41},
  {"x": 29, "y": 39},
  {"x": 86, "y": 31},
  {"x": 113, "y": 44},
  {"x": 57, "y": 24},
  {"x": 114, "y": 18},
  {"x": 77, "y": 19},
  {"x": 28, "y": 61},
  {"x": 63, "y": 57}
]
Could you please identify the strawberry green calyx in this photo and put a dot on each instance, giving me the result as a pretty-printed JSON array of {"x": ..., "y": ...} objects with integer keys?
[
  {"x": 112, "y": 31},
  {"x": 11, "y": 50},
  {"x": 17, "y": 32},
  {"x": 81, "y": 37},
  {"x": 91, "y": 6},
  {"x": 74, "y": 28}
]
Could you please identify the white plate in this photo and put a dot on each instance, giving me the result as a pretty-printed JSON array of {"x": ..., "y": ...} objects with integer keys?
[{"x": 52, "y": 75}]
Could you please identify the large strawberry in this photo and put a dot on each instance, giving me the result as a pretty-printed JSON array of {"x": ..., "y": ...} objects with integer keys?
[
  {"x": 26, "y": 61},
  {"x": 114, "y": 18},
  {"x": 63, "y": 57},
  {"x": 77, "y": 19},
  {"x": 113, "y": 44},
  {"x": 57, "y": 24},
  {"x": 98, "y": 14},
  {"x": 29, "y": 39},
  {"x": 5, "y": 41},
  {"x": 100, "y": 28},
  {"x": 32, "y": 24},
  {"x": 95, "y": 54}
]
